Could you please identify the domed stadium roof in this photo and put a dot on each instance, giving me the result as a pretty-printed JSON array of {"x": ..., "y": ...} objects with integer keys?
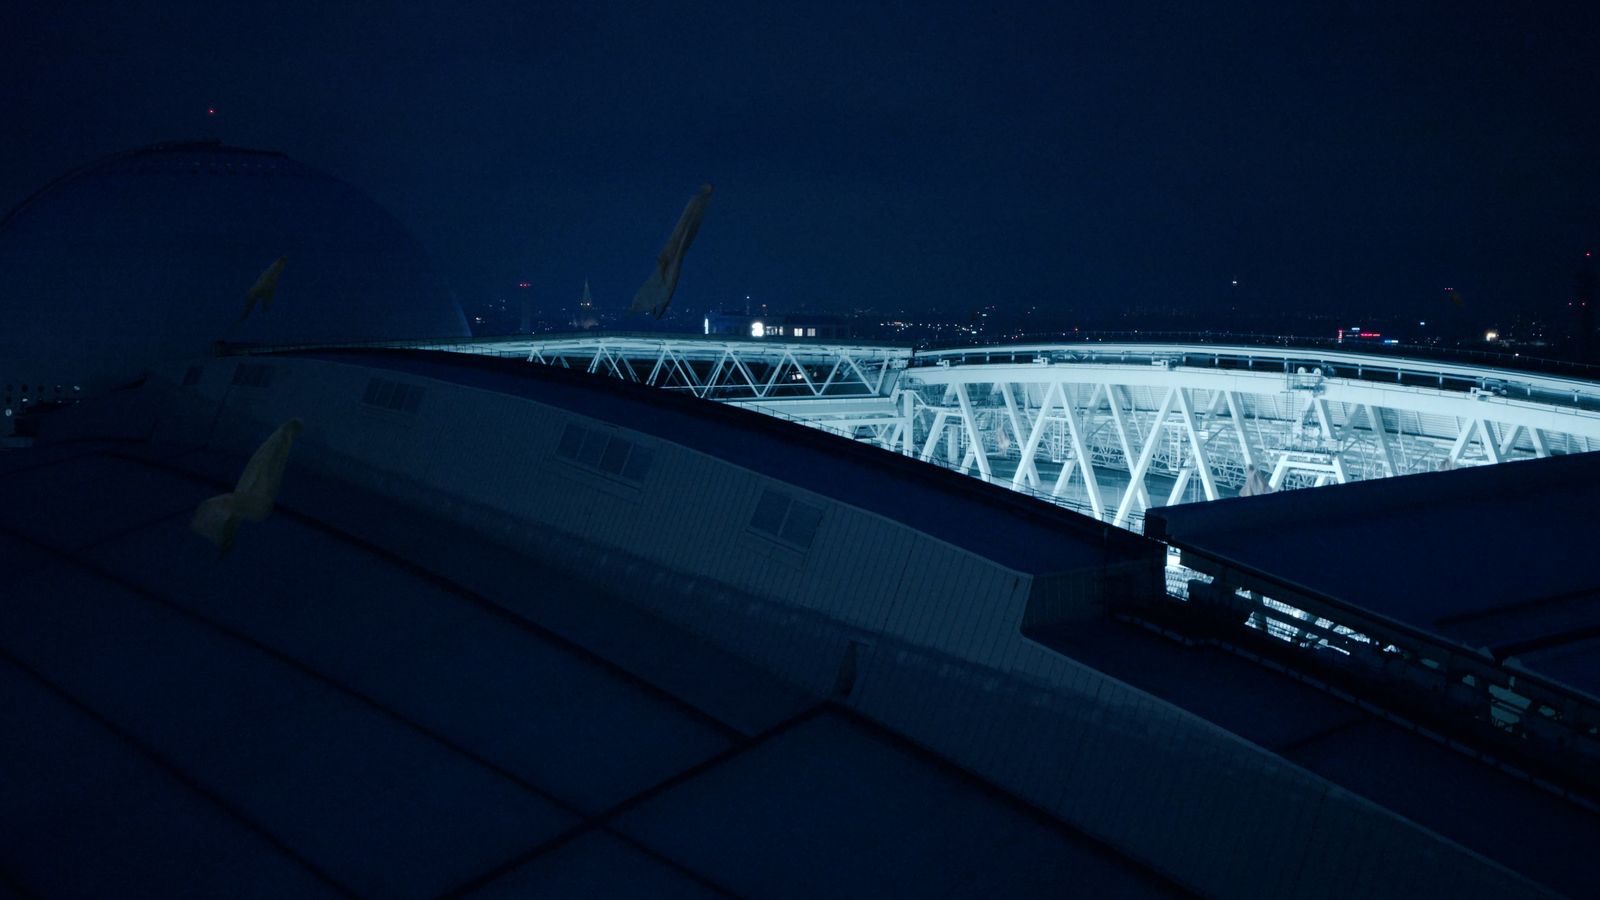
[
  {"x": 149, "y": 255},
  {"x": 522, "y": 630}
]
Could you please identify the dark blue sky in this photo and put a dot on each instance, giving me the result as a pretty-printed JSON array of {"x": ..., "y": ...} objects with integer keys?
[{"x": 1353, "y": 157}]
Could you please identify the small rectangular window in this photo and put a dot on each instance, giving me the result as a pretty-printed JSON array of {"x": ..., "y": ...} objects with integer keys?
[
  {"x": 382, "y": 392},
  {"x": 609, "y": 454},
  {"x": 770, "y": 512},
  {"x": 638, "y": 463},
  {"x": 615, "y": 457},
  {"x": 594, "y": 446},
  {"x": 787, "y": 519},
  {"x": 571, "y": 440},
  {"x": 801, "y": 526}
]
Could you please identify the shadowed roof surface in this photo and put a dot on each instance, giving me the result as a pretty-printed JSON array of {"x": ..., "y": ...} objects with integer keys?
[
  {"x": 362, "y": 699},
  {"x": 1490, "y": 556},
  {"x": 1015, "y": 530}
]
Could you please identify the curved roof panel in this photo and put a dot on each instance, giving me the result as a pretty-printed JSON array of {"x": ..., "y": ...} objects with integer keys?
[{"x": 149, "y": 255}]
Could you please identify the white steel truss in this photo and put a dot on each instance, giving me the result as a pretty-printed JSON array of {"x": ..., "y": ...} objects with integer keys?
[
  {"x": 1114, "y": 429},
  {"x": 848, "y": 389},
  {"x": 735, "y": 370}
]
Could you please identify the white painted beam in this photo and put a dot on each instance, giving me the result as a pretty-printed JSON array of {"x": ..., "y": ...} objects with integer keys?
[
  {"x": 1208, "y": 481},
  {"x": 970, "y": 423},
  {"x": 1145, "y": 455}
]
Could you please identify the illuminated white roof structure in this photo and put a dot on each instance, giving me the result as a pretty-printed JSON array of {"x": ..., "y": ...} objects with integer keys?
[
  {"x": 1190, "y": 422},
  {"x": 1077, "y": 423}
]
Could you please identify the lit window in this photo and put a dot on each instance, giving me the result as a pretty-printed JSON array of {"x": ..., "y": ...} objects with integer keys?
[{"x": 757, "y": 329}]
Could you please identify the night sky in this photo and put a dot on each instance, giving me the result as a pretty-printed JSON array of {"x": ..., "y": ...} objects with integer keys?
[{"x": 1347, "y": 158}]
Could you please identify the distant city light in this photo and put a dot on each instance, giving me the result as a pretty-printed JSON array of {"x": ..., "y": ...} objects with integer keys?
[
  {"x": 524, "y": 284},
  {"x": 212, "y": 110},
  {"x": 1491, "y": 335},
  {"x": 757, "y": 329}
]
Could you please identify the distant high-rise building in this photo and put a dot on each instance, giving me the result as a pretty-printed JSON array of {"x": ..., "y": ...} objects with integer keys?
[
  {"x": 1585, "y": 300},
  {"x": 585, "y": 317}
]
